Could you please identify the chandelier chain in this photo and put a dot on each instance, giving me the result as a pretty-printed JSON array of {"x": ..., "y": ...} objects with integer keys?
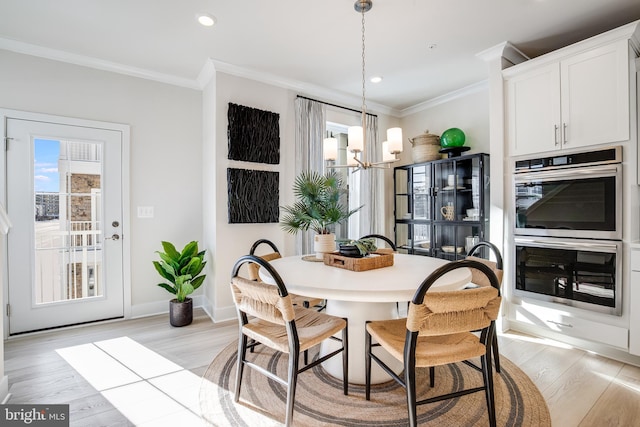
[
  {"x": 364, "y": 104},
  {"x": 361, "y": 158}
]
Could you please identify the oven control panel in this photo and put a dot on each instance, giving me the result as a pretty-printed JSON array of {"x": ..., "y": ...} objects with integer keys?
[{"x": 607, "y": 155}]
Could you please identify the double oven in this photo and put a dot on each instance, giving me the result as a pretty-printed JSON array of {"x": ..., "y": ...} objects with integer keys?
[{"x": 568, "y": 229}]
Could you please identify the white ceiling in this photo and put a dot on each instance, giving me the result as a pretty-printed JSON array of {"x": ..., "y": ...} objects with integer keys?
[{"x": 310, "y": 45}]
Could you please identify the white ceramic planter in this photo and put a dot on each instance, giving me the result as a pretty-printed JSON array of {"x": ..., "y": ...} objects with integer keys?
[{"x": 323, "y": 243}]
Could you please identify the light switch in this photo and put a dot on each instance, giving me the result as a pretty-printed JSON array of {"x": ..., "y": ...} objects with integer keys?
[{"x": 145, "y": 211}]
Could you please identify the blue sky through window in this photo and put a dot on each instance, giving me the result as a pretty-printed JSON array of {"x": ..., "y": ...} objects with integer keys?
[{"x": 45, "y": 169}]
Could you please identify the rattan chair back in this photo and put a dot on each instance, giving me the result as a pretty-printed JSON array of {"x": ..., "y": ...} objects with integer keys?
[{"x": 252, "y": 268}]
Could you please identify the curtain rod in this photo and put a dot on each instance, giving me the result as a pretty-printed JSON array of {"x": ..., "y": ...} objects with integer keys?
[{"x": 334, "y": 105}]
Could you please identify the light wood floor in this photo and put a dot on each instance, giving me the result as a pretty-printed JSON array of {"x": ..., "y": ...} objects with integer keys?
[{"x": 581, "y": 389}]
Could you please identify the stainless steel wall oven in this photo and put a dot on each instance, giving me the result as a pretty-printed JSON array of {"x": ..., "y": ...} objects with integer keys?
[
  {"x": 576, "y": 195},
  {"x": 578, "y": 272},
  {"x": 568, "y": 229}
]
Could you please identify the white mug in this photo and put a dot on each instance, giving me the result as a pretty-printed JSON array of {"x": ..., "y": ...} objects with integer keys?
[{"x": 452, "y": 180}]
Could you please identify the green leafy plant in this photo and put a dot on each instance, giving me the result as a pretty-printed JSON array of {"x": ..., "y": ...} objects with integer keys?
[
  {"x": 318, "y": 203},
  {"x": 365, "y": 246},
  {"x": 181, "y": 269}
]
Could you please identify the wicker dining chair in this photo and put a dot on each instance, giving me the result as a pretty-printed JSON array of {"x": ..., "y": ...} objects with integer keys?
[
  {"x": 480, "y": 279},
  {"x": 385, "y": 239},
  {"x": 439, "y": 331},
  {"x": 392, "y": 248},
  {"x": 299, "y": 300},
  {"x": 267, "y": 316},
  {"x": 307, "y": 302}
]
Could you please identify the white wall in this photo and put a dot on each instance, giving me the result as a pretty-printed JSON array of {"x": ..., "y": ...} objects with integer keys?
[
  {"x": 230, "y": 241},
  {"x": 165, "y": 157},
  {"x": 469, "y": 113}
]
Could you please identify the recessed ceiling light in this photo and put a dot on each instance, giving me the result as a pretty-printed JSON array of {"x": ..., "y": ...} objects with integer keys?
[
  {"x": 375, "y": 79},
  {"x": 206, "y": 19}
]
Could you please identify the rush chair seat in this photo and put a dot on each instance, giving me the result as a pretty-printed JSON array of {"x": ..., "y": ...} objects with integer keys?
[
  {"x": 481, "y": 280},
  {"x": 438, "y": 331},
  {"x": 392, "y": 246},
  {"x": 267, "y": 316},
  {"x": 300, "y": 300}
]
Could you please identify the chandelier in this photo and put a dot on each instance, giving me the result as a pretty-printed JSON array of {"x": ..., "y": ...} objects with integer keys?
[{"x": 357, "y": 135}]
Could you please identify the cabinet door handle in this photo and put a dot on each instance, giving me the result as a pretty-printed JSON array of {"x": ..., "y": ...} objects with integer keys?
[
  {"x": 555, "y": 133},
  {"x": 564, "y": 133}
]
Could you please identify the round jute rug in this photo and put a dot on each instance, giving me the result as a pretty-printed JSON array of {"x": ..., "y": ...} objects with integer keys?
[{"x": 320, "y": 402}]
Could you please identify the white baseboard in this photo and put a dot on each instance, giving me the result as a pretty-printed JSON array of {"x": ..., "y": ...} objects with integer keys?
[
  {"x": 4, "y": 390},
  {"x": 159, "y": 307}
]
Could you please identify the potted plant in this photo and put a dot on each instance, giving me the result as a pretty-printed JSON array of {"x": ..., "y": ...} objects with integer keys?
[
  {"x": 318, "y": 207},
  {"x": 357, "y": 248},
  {"x": 182, "y": 270}
]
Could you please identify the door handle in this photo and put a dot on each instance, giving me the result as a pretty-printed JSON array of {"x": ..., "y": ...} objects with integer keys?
[{"x": 114, "y": 237}]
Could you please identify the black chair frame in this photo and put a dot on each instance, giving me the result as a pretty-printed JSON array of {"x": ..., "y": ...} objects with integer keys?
[
  {"x": 381, "y": 237},
  {"x": 411, "y": 340},
  {"x": 496, "y": 253},
  {"x": 294, "y": 345}
]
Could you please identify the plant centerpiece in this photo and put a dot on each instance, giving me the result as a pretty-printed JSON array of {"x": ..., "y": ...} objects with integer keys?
[
  {"x": 182, "y": 270},
  {"x": 318, "y": 207},
  {"x": 358, "y": 248}
]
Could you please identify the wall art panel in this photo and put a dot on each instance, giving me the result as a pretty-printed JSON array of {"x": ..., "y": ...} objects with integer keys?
[
  {"x": 254, "y": 135},
  {"x": 253, "y": 196}
]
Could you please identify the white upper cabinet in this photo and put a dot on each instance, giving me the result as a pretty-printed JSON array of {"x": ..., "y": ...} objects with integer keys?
[
  {"x": 578, "y": 101},
  {"x": 533, "y": 110}
]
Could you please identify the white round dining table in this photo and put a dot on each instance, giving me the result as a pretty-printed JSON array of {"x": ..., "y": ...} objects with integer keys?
[{"x": 361, "y": 296}]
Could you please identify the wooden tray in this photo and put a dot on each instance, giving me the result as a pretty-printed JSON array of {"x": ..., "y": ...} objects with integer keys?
[{"x": 375, "y": 260}]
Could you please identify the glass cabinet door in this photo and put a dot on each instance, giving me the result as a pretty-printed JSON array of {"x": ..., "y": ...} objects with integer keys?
[
  {"x": 441, "y": 206},
  {"x": 402, "y": 203},
  {"x": 421, "y": 187}
]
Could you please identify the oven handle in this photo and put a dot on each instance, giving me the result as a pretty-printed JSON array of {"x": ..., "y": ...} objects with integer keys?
[
  {"x": 558, "y": 174},
  {"x": 602, "y": 247}
]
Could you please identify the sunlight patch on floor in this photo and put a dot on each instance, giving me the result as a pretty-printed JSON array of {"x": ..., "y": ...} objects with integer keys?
[
  {"x": 138, "y": 358},
  {"x": 145, "y": 387}
]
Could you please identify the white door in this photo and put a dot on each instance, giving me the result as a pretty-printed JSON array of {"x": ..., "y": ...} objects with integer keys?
[{"x": 64, "y": 198}]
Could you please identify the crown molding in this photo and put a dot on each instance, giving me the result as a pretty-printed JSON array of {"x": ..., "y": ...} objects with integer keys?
[
  {"x": 211, "y": 66},
  {"x": 302, "y": 88},
  {"x": 504, "y": 50},
  {"x": 447, "y": 97},
  {"x": 100, "y": 64}
]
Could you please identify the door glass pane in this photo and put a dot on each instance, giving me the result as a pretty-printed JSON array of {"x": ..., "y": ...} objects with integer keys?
[{"x": 68, "y": 228}]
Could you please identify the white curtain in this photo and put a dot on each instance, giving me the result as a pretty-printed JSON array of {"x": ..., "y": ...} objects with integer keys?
[
  {"x": 310, "y": 130},
  {"x": 371, "y": 184}
]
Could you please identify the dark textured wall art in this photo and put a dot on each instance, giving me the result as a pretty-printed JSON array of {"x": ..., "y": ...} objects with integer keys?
[
  {"x": 254, "y": 135},
  {"x": 253, "y": 196}
]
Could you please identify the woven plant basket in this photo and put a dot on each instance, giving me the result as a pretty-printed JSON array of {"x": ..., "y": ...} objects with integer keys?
[{"x": 426, "y": 147}]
